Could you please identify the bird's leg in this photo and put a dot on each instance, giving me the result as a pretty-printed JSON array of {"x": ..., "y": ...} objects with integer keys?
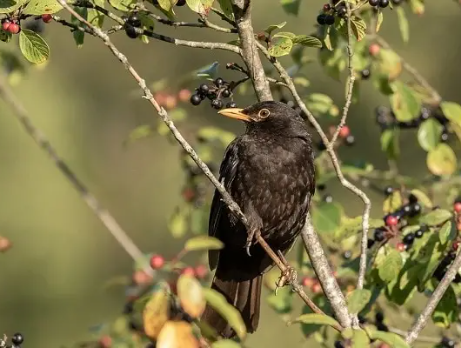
[
  {"x": 253, "y": 234},
  {"x": 287, "y": 276},
  {"x": 254, "y": 229}
]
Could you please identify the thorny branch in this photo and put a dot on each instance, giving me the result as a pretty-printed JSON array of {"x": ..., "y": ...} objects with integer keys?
[
  {"x": 232, "y": 205},
  {"x": 102, "y": 214}
]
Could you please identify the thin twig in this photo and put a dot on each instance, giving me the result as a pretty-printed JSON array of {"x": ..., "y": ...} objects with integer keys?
[
  {"x": 425, "y": 339},
  {"x": 104, "y": 215},
  {"x": 412, "y": 71},
  {"x": 231, "y": 204},
  {"x": 435, "y": 298}
]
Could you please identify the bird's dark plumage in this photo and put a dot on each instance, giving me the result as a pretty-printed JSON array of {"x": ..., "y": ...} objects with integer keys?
[{"x": 269, "y": 172}]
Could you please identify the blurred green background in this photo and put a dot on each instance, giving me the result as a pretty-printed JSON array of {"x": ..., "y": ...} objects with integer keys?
[{"x": 52, "y": 281}]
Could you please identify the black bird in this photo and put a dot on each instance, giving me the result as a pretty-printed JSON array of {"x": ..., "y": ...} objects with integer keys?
[{"x": 269, "y": 172}]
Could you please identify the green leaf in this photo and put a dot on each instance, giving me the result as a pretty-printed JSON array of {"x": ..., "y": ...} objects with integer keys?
[
  {"x": 352, "y": 226},
  {"x": 403, "y": 24},
  {"x": 203, "y": 243},
  {"x": 446, "y": 311},
  {"x": 405, "y": 103},
  {"x": 200, "y": 6},
  {"x": 358, "y": 27},
  {"x": 358, "y": 338},
  {"x": 33, "y": 47},
  {"x": 389, "y": 64},
  {"x": 79, "y": 36},
  {"x": 178, "y": 224},
  {"x": 280, "y": 47},
  {"x": 208, "y": 71},
  {"x": 225, "y": 344},
  {"x": 429, "y": 133},
  {"x": 390, "y": 268},
  {"x": 139, "y": 132},
  {"x": 7, "y": 6},
  {"x": 123, "y": 5},
  {"x": 314, "y": 318},
  {"x": 291, "y": 6},
  {"x": 319, "y": 104},
  {"x": 326, "y": 217},
  {"x": 441, "y": 160},
  {"x": 390, "y": 143},
  {"x": 190, "y": 294},
  {"x": 452, "y": 111},
  {"x": 393, "y": 202},
  {"x": 445, "y": 232},
  {"x": 307, "y": 41},
  {"x": 273, "y": 27},
  {"x": 436, "y": 217},
  {"x": 357, "y": 300},
  {"x": 379, "y": 20},
  {"x": 422, "y": 198},
  {"x": 155, "y": 313},
  {"x": 39, "y": 7},
  {"x": 167, "y": 5},
  {"x": 392, "y": 339},
  {"x": 219, "y": 303},
  {"x": 95, "y": 17},
  {"x": 226, "y": 7}
]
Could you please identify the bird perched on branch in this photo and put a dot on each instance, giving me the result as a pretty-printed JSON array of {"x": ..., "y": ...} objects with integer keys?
[{"x": 269, "y": 172}]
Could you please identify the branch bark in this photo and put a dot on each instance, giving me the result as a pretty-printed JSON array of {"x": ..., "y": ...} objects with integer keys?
[
  {"x": 250, "y": 55},
  {"x": 434, "y": 300},
  {"x": 103, "y": 215}
]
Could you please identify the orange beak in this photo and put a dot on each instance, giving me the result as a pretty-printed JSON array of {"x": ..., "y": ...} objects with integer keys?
[{"x": 235, "y": 113}]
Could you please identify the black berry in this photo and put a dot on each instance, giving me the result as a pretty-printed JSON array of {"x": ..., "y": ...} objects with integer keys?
[
  {"x": 409, "y": 238},
  {"x": 226, "y": 93},
  {"x": 447, "y": 342},
  {"x": 365, "y": 73},
  {"x": 17, "y": 339},
  {"x": 415, "y": 210},
  {"x": 217, "y": 104},
  {"x": 339, "y": 344},
  {"x": 195, "y": 99},
  {"x": 382, "y": 327},
  {"x": 322, "y": 19},
  {"x": 444, "y": 137},
  {"x": 341, "y": 11},
  {"x": 321, "y": 187},
  {"x": 329, "y": 20},
  {"x": 181, "y": 3},
  {"x": 131, "y": 31},
  {"x": 219, "y": 82},
  {"x": 373, "y": 2},
  {"x": 379, "y": 235},
  {"x": 134, "y": 20},
  {"x": 347, "y": 254},
  {"x": 370, "y": 243},
  {"x": 412, "y": 199},
  {"x": 419, "y": 234},
  {"x": 388, "y": 190},
  {"x": 328, "y": 198},
  {"x": 231, "y": 105},
  {"x": 203, "y": 88},
  {"x": 379, "y": 317},
  {"x": 383, "y": 3},
  {"x": 350, "y": 140}
]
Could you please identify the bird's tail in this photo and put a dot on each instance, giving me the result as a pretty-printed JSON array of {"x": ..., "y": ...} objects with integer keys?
[{"x": 244, "y": 295}]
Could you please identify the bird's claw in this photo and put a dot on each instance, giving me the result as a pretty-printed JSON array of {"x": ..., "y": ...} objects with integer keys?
[
  {"x": 251, "y": 236},
  {"x": 288, "y": 276}
]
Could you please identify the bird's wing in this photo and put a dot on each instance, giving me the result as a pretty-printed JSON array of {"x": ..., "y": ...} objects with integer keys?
[{"x": 227, "y": 173}]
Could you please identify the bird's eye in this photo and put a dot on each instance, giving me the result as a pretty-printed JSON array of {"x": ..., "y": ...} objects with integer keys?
[{"x": 264, "y": 113}]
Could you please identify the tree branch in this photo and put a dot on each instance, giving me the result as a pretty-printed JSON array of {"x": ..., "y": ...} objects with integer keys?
[
  {"x": 435, "y": 298},
  {"x": 242, "y": 12},
  {"x": 231, "y": 204},
  {"x": 102, "y": 214}
]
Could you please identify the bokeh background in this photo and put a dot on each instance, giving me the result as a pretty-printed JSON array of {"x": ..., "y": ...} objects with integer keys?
[{"x": 52, "y": 283}]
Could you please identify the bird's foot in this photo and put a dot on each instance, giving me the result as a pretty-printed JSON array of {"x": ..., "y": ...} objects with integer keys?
[
  {"x": 288, "y": 275},
  {"x": 253, "y": 234}
]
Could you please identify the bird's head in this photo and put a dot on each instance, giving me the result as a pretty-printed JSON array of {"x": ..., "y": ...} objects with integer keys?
[{"x": 272, "y": 116}]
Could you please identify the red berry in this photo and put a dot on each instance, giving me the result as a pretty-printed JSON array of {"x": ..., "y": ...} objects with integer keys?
[
  {"x": 458, "y": 226},
  {"x": 47, "y": 18},
  {"x": 307, "y": 282},
  {"x": 157, "y": 261},
  {"x": 401, "y": 247},
  {"x": 455, "y": 245},
  {"x": 201, "y": 271},
  {"x": 184, "y": 95},
  {"x": 188, "y": 194},
  {"x": 189, "y": 271},
  {"x": 14, "y": 28},
  {"x": 316, "y": 288},
  {"x": 141, "y": 278},
  {"x": 457, "y": 207},
  {"x": 5, "y": 244},
  {"x": 326, "y": 7},
  {"x": 391, "y": 221},
  {"x": 5, "y": 25},
  {"x": 374, "y": 49},
  {"x": 105, "y": 342},
  {"x": 344, "y": 132}
]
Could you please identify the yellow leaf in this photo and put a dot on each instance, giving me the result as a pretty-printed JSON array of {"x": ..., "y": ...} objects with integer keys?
[{"x": 177, "y": 334}]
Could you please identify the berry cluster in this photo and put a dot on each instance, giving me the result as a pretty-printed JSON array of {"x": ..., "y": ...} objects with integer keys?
[
  {"x": 216, "y": 92},
  {"x": 442, "y": 268},
  {"x": 17, "y": 339},
  {"x": 386, "y": 119},
  {"x": 329, "y": 13},
  {"x": 131, "y": 24},
  {"x": 11, "y": 25},
  {"x": 397, "y": 219}
]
